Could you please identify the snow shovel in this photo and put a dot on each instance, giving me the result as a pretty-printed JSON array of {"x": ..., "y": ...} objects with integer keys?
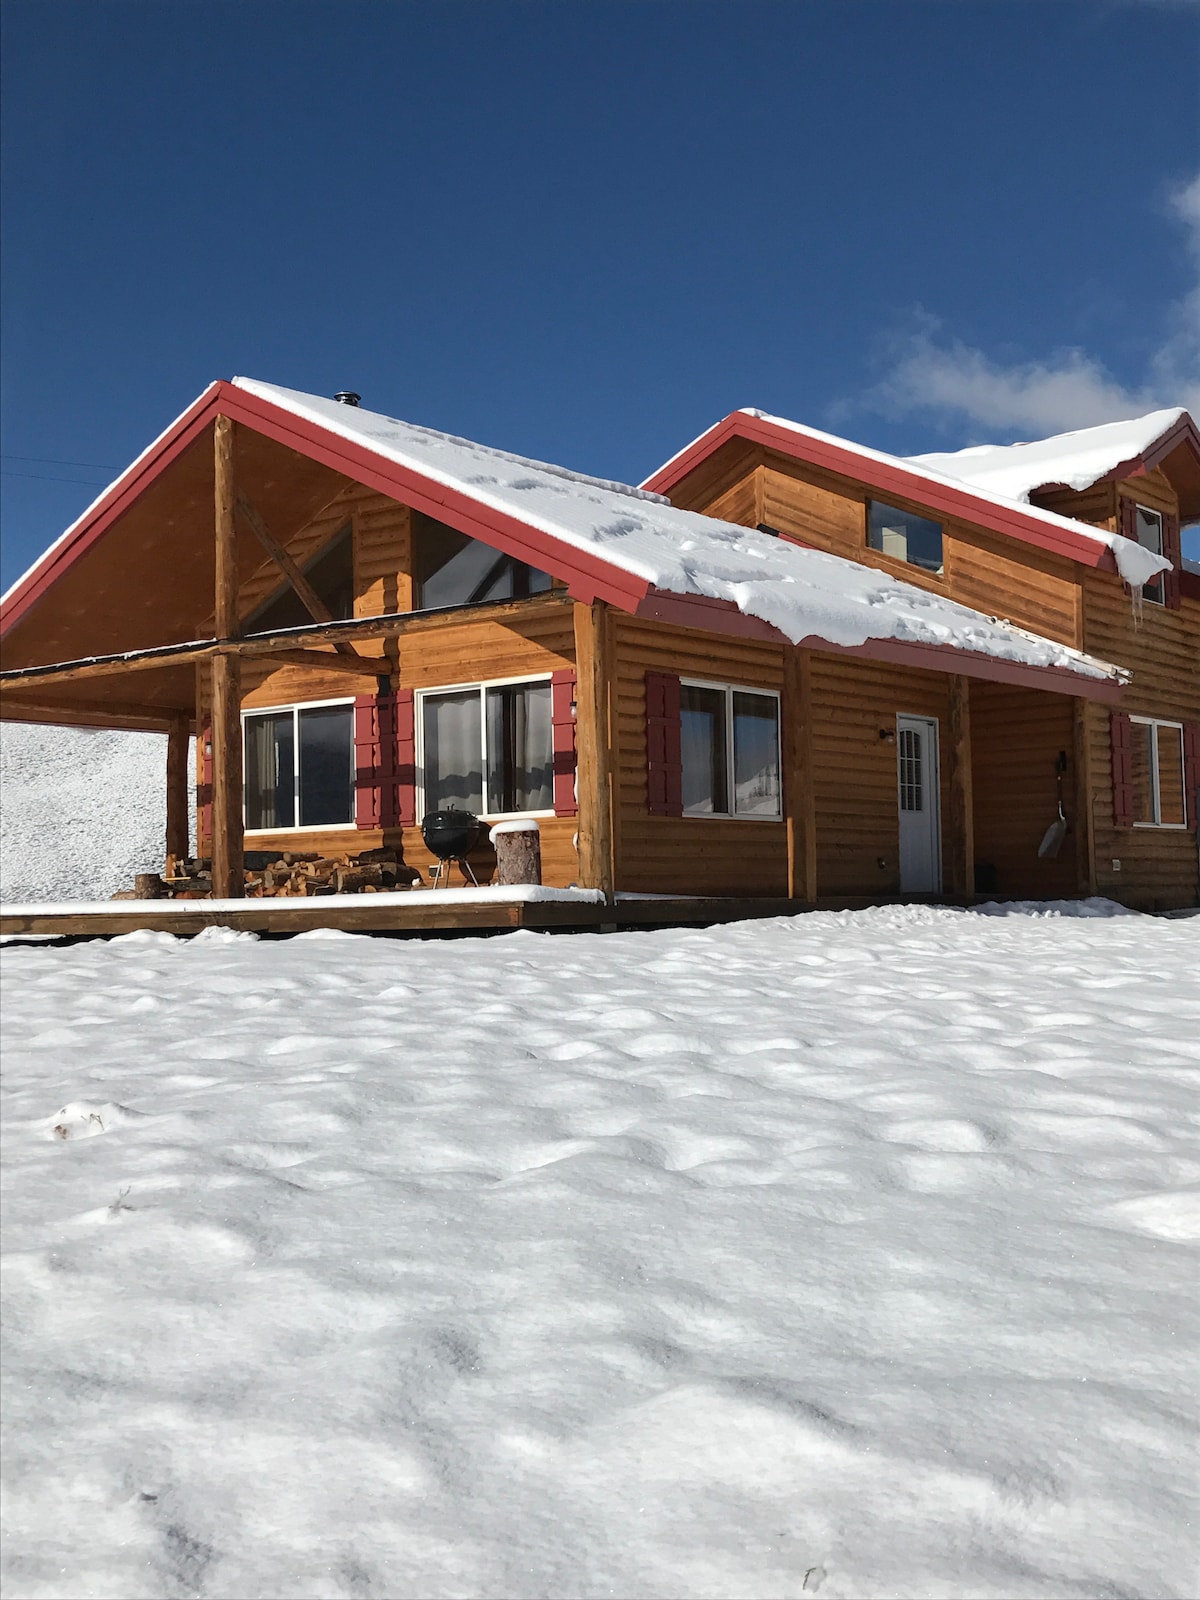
[{"x": 1054, "y": 835}]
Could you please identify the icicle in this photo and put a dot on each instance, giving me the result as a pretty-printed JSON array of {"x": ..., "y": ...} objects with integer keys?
[{"x": 1136, "y": 598}]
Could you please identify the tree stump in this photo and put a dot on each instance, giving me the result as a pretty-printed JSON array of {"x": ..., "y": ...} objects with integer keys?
[
  {"x": 518, "y": 847},
  {"x": 149, "y": 886}
]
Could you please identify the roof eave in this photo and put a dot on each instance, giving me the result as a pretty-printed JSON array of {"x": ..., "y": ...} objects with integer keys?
[{"x": 723, "y": 616}]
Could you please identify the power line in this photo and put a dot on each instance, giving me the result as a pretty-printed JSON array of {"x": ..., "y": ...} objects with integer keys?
[
  {"x": 47, "y": 477},
  {"x": 54, "y": 461}
]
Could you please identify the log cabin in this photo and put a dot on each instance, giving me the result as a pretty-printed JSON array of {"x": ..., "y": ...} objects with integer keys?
[{"x": 786, "y": 670}]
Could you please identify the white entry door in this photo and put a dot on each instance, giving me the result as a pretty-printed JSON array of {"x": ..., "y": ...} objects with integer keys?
[{"x": 920, "y": 813}]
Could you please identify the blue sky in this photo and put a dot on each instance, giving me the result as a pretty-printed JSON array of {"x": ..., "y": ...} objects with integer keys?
[{"x": 587, "y": 231}]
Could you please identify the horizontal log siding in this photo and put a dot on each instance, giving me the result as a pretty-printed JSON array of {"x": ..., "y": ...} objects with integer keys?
[
  {"x": 996, "y": 575},
  {"x": 687, "y": 855},
  {"x": 451, "y": 651},
  {"x": 728, "y": 478},
  {"x": 1158, "y": 865},
  {"x": 1016, "y": 737},
  {"x": 855, "y": 770}
]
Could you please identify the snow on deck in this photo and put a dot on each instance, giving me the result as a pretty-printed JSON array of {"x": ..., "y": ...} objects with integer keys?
[
  {"x": 804, "y": 593},
  {"x": 850, "y": 1253}
]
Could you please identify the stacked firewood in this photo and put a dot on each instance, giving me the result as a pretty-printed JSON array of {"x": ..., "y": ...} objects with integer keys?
[{"x": 290, "y": 874}]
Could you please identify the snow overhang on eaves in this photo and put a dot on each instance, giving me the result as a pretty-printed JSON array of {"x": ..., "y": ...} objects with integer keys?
[
  {"x": 892, "y": 475},
  {"x": 733, "y": 588}
]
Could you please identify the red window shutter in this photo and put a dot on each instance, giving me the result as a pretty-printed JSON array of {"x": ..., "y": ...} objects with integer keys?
[
  {"x": 1128, "y": 520},
  {"x": 1173, "y": 550},
  {"x": 1191, "y": 771},
  {"x": 406, "y": 758},
  {"x": 562, "y": 723},
  {"x": 204, "y": 789},
  {"x": 375, "y": 761},
  {"x": 664, "y": 759},
  {"x": 1121, "y": 734}
]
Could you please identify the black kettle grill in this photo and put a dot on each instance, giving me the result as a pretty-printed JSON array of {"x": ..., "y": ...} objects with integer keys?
[{"x": 451, "y": 835}]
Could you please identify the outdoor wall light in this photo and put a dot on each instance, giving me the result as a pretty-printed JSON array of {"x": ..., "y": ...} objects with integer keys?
[{"x": 888, "y": 735}]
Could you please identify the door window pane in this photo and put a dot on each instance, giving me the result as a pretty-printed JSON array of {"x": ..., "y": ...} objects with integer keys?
[
  {"x": 326, "y": 766},
  {"x": 755, "y": 754},
  {"x": 270, "y": 762},
  {"x": 705, "y": 763},
  {"x": 912, "y": 782},
  {"x": 520, "y": 748},
  {"x": 1170, "y": 775},
  {"x": 453, "y": 739}
]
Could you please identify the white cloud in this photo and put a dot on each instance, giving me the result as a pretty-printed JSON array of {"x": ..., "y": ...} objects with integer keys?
[{"x": 1068, "y": 389}]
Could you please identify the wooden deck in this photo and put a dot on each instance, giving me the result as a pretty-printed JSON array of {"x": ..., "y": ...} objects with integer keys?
[{"x": 386, "y": 915}]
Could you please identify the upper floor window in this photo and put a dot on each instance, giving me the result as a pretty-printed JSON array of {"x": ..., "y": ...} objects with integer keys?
[
  {"x": 299, "y": 766},
  {"x": 488, "y": 749},
  {"x": 452, "y": 569},
  {"x": 1158, "y": 774},
  {"x": 330, "y": 572},
  {"x": 904, "y": 535},
  {"x": 1149, "y": 526},
  {"x": 729, "y": 743}
]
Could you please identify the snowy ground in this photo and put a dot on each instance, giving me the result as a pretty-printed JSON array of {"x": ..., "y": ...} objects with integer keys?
[
  {"x": 81, "y": 811},
  {"x": 847, "y": 1253}
]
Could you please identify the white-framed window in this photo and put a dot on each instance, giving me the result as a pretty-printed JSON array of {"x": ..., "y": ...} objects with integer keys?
[
  {"x": 729, "y": 743},
  {"x": 1149, "y": 529},
  {"x": 487, "y": 748},
  {"x": 298, "y": 766},
  {"x": 1158, "y": 773}
]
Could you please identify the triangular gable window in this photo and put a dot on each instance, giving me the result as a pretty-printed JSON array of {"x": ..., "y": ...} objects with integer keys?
[
  {"x": 331, "y": 573},
  {"x": 452, "y": 569}
]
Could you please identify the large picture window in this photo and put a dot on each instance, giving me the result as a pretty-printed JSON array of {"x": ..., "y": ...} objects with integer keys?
[
  {"x": 451, "y": 569},
  {"x": 904, "y": 535},
  {"x": 1158, "y": 781},
  {"x": 488, "y": 748},
  {"x": 299, "y": 767},
  {"x": 729, "y": 740}
]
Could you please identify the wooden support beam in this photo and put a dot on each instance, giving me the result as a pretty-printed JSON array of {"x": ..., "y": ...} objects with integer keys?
[
  {"x": 309, "y": 598},
  {"x": 387, "y": 626},
  {"x": 1083, "y": 821},
  {"x": 74, "y": 713},
  {"x": 325, "y": 661},
  {"x": 228, "y": 876},
  {"x": 178, "y": 799},
  {"x": 227, "y": 624},
  {"x": 960, "y": 842},
  {"x": 594, "y": 773},
  {"x": 799, "y": 794}
]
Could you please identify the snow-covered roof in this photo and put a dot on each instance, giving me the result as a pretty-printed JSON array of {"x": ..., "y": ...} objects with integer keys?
[
  {"x": 1074, "y": 460},
  {"x": 805, "y": 594},
  {"x": 920, "y": 478}
]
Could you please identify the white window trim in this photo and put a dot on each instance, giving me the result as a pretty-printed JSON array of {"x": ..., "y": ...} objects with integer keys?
[
  {"x": 1159, "y": 599},
  {"x": 482, "y": 685},
  {"x": 729, "y": 690},
  {"x": 1155, "y": 723},
  {"x": 294, "y": 707}
]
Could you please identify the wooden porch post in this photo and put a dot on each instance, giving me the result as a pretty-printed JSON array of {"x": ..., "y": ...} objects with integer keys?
[
  {"x": 178, "y": 800},
  {"x": 1084, "y": 828},
  {"x": 961, "y": 832},
  {"x": 593, "y": 751},
  {"x": 799, "y": 796},
  {"x": 228, "y": 878}
]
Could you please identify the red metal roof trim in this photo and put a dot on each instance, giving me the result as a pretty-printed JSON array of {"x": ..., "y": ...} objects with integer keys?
[
  {"x": 722, "y": 616},
  {"x": 895, "y": 480},
  {"x": 1183, "y": 432},
  {"x": 589, "y": 577}
]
